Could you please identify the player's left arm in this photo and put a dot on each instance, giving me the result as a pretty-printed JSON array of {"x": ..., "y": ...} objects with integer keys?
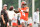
[
  {"x": 16, "y": 11},
  {"x": 27, "y": 10}
]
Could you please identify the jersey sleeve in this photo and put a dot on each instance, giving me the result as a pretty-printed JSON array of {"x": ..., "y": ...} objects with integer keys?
[{"x": 2, "y": 12}]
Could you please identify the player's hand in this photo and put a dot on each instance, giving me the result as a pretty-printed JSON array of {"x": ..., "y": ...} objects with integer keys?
[
  {"x": 19, "y": 9},
  {"x": 4, "y": 22}
]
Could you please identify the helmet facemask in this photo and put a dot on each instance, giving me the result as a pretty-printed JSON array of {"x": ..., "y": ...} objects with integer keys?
[{"x": 23, "y": 5}]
